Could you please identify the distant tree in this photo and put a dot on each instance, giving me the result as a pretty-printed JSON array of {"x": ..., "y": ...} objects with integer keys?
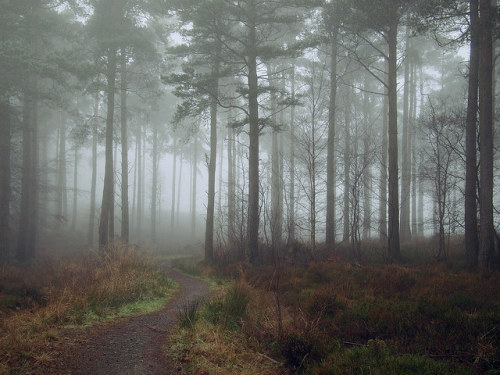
[{"x": 444, "y": 133}]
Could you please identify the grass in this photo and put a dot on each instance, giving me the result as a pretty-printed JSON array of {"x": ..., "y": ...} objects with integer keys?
[
  {"x": 215, "y": 342},
  {"x": 38, "y": 300},
  {"x": 343, "y": 318}
]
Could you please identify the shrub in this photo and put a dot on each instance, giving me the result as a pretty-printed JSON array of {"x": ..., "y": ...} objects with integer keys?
[{"x": 188, "y": 314}]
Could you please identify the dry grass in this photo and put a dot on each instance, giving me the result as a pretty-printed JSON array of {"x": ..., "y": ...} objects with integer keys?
[
  {"x": 338, "y": 317},
  {"x": 40, "y": 299},
  {"x": 218, "y": 342}
]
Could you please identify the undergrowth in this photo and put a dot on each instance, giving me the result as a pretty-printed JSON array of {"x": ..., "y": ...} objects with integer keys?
[
  {"x": 36, "y": 301},
  {"x": 343, "y": 318}
]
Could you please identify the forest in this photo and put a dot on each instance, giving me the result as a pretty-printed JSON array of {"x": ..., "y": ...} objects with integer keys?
[{"x": 328, "y": 168}]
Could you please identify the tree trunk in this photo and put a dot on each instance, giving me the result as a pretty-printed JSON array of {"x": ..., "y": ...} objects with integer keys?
[
  {"x": 312, "y": 181},
  {"x": 140, "y": 182},
  {"x": 125, "y": 227},
  {"x": 5, "y": 178},
  {"x": 405, "y": 178},
  {"x": 486, "y": 244},
  {"x": 367, "y": 176},
  {"x": 174, "y": 176},
  {"x": 28, "y": 220},
  {"x": 105, "y": 226},
  {"x": 62, "y": 202},
  {"x": 291, "y": 223},
  {"x": 231, "y": 188},
  {"x": 393, "y": 203},
  {"x": 413, "y": 119},
  {"x": 154, "y": 183},
  {"x": 347, "y": 163},
  {"x": 209, "y": 225},
  {"x": 471, "y": 234},
  {"x": 179, "y": 181},
  {"x": 420, "y": 204},
  {"x": 382, "y": 229},
  {"x": 330, "y": 163},
  {"x": 252, "y": 246},
  {"x": 276, "y": 219},
  {"x": 194, "y": 187},
  {"x": 75, "y": 188},
  {"x": 90, "y": 239}
]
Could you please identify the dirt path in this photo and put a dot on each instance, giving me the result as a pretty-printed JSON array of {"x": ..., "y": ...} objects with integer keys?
[{"x": 131, "y": 345}]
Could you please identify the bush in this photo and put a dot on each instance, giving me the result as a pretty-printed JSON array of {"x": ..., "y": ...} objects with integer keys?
[{"x": 188, "y": 314}]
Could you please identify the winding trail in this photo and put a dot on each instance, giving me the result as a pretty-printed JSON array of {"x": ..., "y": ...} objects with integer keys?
[{"x": 131, "y": 345}]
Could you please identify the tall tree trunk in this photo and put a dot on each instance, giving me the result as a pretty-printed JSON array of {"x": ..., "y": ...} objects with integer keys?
[
  {"x": 75, "y": 188},
  {"x": 393, "y": 203},
  {"x": 413, "y": 164},
  {"x": 179, "y": 181},
  {"x": 252, "y": 245},
  {"x": 382, "y": 229},
  {"x": 174, "y": 176},
  {"x": 312, "y": 181},
  {"x": 367, "y": 176},
  {"x": 5, "y": 178},
  {"x": 220, "y": 182},
  {"x": 62, "y": 204},
  {"x": 486, "y": 244},
  {"x": 25, "y": 243},
  {"x": 347, "y": 163},
  {"x": 420, "y": 204},
  {"x": 209, "y": 225},
  {"x": 90, "y": 238},
  {"x": 231, "y": 188},
  {"x": 276, "y": 219},
  {"x": 140, "y": 180},
  {"x": 125, "y": 227},
  {"x": 471, "y": 234},
  {"x": 194, "y": 187},
  {"x": 105, "y": 225},
  {"x": 405, "y": 153},
  {"x": 154, "y": 183},
  {"x": 330, "y": 161},
  {"x": 291, "y": 224}
]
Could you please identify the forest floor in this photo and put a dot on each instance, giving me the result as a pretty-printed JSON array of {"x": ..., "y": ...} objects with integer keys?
[{"x": 131, "y": 345}]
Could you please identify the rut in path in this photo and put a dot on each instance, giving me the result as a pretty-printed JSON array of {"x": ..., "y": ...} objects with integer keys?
[{"x": 133, "y": 345}]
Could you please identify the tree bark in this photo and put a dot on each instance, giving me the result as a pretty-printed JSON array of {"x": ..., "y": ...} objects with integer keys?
[
  {"x": 330, "y": 162},
  {"x": 347, "y": 163},
  {"x": 367, "y": 176},
  {"x": 194, "y": 187},
  {"x": 125, "y": 227},
  {"x": 382, "y": 229},
  {"x": 291, "y": 223},
  {"x": 90, "y": 238},
  {"x": 5, "y": 179},
  {"x": 27, "y": 220},
  {"x": 393, "y": 203},
  {"x": 75, "y": 188},
  {"x": 62, "y": 202},
  {"x": 174, "y": 176},
  {"x": 154, "y": 183},
  {"x": 471, "y": 234},
  {"x": 105, "y": 227},
  {"x": 405, "y": 233},
  {"x": 179, "y": 181},
  {"x": 412, "y": 143},
  {"x": 252, "y": 246},
  {"x": 486, "y": 244},
  {"x": 140, "y": 182},
  {"x": 214, "y": 95}
]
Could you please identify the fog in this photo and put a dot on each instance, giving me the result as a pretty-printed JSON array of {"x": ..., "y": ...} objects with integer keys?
[{"x": 234, "y": 128}]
